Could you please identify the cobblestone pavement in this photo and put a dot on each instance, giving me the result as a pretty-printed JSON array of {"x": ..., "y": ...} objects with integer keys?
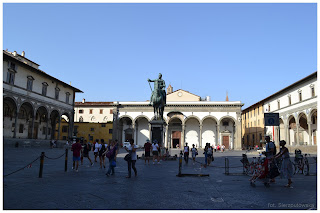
[{"x": 155, "y": 187}]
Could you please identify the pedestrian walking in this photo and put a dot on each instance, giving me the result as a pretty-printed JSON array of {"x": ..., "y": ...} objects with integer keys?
[
  {"x": 270, "y": 152},
  {"x": 223, "y": 147},
  {"x": 111, "y": 153},
  {"x": 95, "y": 149},
  {"x": 205, "y": 152},
  {"x": 209, "y": 154},
  {"x": 76, "y": 148},
  {"x": 132, "y": 162},
  {"x": 155, "y": 151},
  {"x": 186, "y": 153},
  {"x": 194, "y": 152},
  {"x": 215, "y": 148},
  {"x": 147, "y": 149},
  {"x": 85, "y": 152},
  {"x": 286, "y": 170},
  {"x": 102, "y": 149}
]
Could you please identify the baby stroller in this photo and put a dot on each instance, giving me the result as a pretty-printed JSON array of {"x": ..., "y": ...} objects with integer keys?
[{"x": 261, "y": 173}]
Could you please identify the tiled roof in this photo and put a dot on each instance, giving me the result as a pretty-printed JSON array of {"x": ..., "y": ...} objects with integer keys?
[{"x": 98, "y": 103}]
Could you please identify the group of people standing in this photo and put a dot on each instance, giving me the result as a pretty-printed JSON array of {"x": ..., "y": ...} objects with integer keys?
[{"x": 99, "y": 149}]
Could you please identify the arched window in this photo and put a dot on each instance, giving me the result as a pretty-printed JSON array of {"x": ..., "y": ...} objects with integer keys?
[
  {"x": 81, "y": 119},
  {"x": 93, "y": 118}
]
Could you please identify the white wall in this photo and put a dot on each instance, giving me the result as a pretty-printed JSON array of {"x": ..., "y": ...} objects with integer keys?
[{"x": 192, "y": 132}]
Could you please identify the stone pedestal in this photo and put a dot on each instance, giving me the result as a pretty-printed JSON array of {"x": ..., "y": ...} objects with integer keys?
[{"x": 158, "y": 131}]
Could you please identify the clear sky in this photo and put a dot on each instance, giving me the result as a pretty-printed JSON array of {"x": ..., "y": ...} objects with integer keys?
[{"x": 251, "y": 50}]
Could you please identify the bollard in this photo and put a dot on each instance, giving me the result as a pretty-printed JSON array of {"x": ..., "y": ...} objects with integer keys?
[
  {"x": 226, "y": 166},
  {"x": 66, "y": 161},
  {"x": 180, "y": 165},
  {"x": 41, "y": 164}
]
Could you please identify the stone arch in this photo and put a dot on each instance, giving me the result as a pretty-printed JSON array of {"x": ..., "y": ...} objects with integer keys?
[
  {"x": 66, "y": 126},
  {"x": 282, "y": 129},
  {"x": 9, "y": 115},
  {"x": 139, "y": 117},
  {"x": 209, "y": 130},
  {"x": 303, "y": 133},
  {"x": 153, "y": 118},
  {"x": 190, "y": 117},
  {"x": 175, "y": 134},
  {"x": 40, "y": 122},
  {"x": 192, "y": 130},
  {"x": 313, "y": 126},
  {"x": 229, "y": 117},
  {"x": 12, "y": 98},
  {"x": 141, "y": 129},
  {"x": 292, "y": 126},
  {"x": 126, "y": 116},
  {"x": 54, "y": 120},
  {"x": 209, "y": 117},
  {"x": 226, "y": 134},
  {"x": 25, "y": 117},
  {"x": 302, "y": 113}
]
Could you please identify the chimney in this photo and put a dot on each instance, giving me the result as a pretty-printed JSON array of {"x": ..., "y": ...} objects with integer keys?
[
  {"x": 169, "y": 89},
  {"x": 83, "y": 100},
  {"x": 23, "y": 53},
  {"x": 15, "y": 53}
]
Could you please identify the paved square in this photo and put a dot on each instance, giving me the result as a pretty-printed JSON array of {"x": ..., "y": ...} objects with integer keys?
[{"x": 156, "y": 187}]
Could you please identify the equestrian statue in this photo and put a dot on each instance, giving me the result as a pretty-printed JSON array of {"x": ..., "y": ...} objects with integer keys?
[{"x": 158, "y": 97}]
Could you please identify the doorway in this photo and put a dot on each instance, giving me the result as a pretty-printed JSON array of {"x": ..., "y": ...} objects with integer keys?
[
  {"x": 225, "y": 141},
  {"x": 176, "y": 138}
]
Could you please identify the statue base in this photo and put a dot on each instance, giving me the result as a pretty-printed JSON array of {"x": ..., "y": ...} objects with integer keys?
[{"x": 157, "y": 133}]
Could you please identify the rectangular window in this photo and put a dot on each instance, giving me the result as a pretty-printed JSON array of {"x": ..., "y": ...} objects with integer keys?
[
  {"x": 255, "y": 123},
  {"x": 29, "y": 84},
  {"x": 64, "y": 128},
  {"x": 278, "y": 104},
  {"x": 312, "y": 92},
  {"x": 57, "y": 93},
  {"x": 10, "y": 78},
  {"x": 101, "y": 111},
  {"x": 91, "y": 138},
  {"x": 64, "y": 137},
  {"x": 67, "y": 97},
  {"x": 80, "y": 111},
  {"x": 103, "y": 125},
  {"x": 92, "y": 129},
  {"x": 300, "y": 96},
  {"x": 258, "y": 110},
  {"x": 110, "y": 131},
  {"x": 90, "y": 111},
  {"x": 21, "y": 128},
  {"x": 13, "y": 66},
  {"x": 289, "y": 100},
  {"x": 269, "y": 108},
  {"x": 44, "y": 88},
  {"x": 258, "y": 122},
  {"x": 111, "y": 111},
  {"x": 225, "y": 123}
]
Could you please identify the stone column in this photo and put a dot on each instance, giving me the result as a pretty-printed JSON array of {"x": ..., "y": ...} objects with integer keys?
[
  {"x": 182, "y": 135},
  {"x": 15, "y": 124},
  {"x": 310, "y": 134},
  {"x": 286, "y": 134},
  {"x": 297, "y": 142},
  {"x": 200, "y": 138},
  {"x": 150, "y": 132},
  {"x": 277, "y": 141},
  {"x": 32, "y": 125},
  {"x": 59, "y": 128},
  {"x": 47, "y": 126},
  {"x": 137, "y": 134},
  {"x": 166, "y": 137},
  {"x": 133, "y": 131},
  {"x": 218, "y": 134}
]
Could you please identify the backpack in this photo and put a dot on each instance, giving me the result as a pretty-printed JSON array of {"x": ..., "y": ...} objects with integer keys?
[
  {"x": 275, "y": 148},
  {"x": 103, "y": 148},
  {"x": 110, "y": 152}
]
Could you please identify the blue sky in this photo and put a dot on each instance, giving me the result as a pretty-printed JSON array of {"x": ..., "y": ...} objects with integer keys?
[{"x": 251, "y": 50}]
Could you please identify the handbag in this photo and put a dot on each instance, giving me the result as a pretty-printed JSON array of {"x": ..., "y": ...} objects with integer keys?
[
  {"x": 127, "y": 157},
  {"x": 113, "y": 163}
]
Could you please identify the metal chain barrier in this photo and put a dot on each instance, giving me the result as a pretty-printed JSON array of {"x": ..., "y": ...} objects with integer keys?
[
  {"x": 54, "y": 158},
  {"x": 22, "y": 167}
]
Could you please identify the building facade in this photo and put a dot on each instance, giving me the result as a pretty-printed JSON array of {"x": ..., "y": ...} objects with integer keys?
[
  {"x": 188, "y": 119},
  {"x": 253, "y": 126},
  {"x": 297, "y": 108},
  {"x": 33, "y": 101},
  {"x": 93, "y": 120}
]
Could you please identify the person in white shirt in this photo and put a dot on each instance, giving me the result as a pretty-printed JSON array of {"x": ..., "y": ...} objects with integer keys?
[
  {"x": 186, "y": 153},
  {"x": 194, "y": 152},
  {"x": 95, "y": 150},
  {"x": 132, "y": 163},
  {"x": 155, "y": 151}
]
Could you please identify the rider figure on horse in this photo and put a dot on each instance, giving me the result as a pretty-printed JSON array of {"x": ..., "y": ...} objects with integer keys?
[{"x": 160, "y": 85}]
